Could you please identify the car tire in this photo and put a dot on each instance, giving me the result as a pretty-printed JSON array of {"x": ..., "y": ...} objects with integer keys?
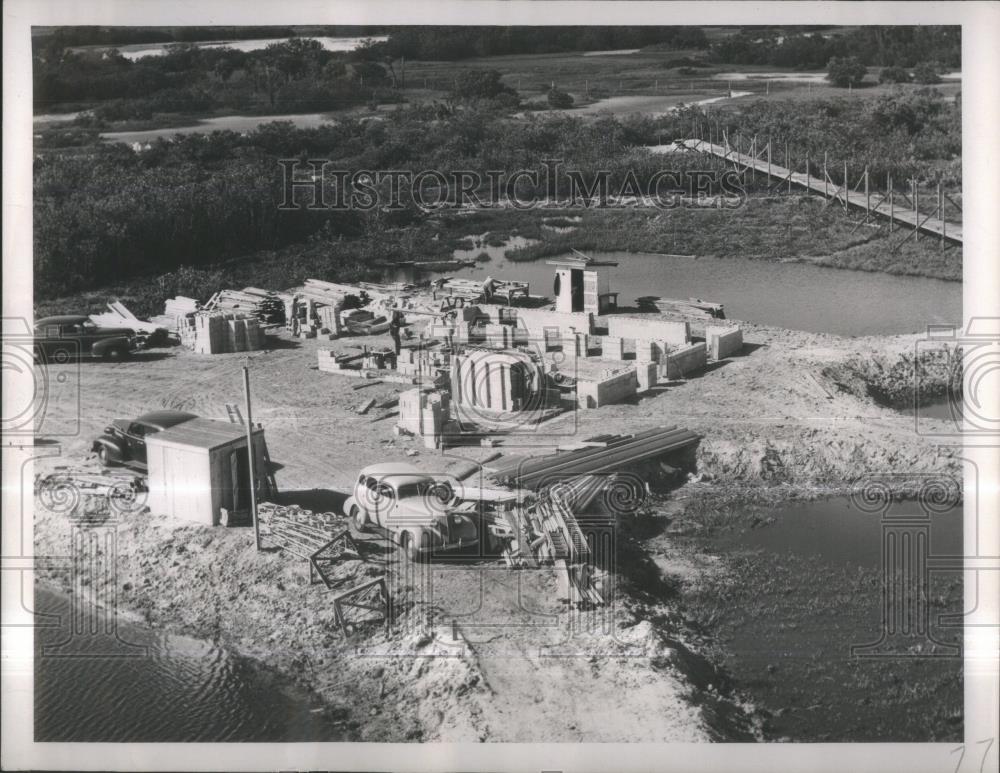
[
  {"x": 359, "y": 518},
  {"x": 104, "y": 457}
]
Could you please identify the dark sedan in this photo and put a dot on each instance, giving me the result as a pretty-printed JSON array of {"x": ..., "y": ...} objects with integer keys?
[
  {"x": 73, "y": 335},
  {"x": 124, "y": 442}
]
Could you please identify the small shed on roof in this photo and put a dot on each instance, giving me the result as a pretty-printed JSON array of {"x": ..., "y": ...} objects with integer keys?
[{"x": 201, "y": 467}]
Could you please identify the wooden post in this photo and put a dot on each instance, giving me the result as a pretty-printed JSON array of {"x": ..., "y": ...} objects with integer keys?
[
  {"x": 940, "y": 213},
  {"x": 808, "y": 188},
  {"x": 847, "y": 190},
  {"x": 892, "y": 205},
  {"x": 768, "y": 160},
  {"x": 826, "y": 190},
  {"x": 788, "y": 165},
  {"x": 916, "y": 213},
  {"x": 753, "y": 156},
  {"x": 250, "y": 456},
  {"x": 868, "y": 198}
]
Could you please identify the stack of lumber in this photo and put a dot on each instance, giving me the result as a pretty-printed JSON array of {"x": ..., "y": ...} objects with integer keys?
[
  {"x": 266, "y": 306},
  {"x": 619, "y": 455},
  {"x": 472, "y": 289},
  {"x": 175, "y": 310},
  {"x": 692, "y": 307}
]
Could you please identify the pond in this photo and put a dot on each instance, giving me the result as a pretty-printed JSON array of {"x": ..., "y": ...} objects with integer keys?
[
  {"x": 806, "y": 627},
  {"x": 182, "y": 689},
  {"x": 797, "y": 296}
]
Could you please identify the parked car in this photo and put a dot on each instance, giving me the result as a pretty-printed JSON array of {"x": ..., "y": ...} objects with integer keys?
[
  {"x": 124, "y": 442},
  {"x": 420, "y": 513},
  {"x": 74, "y": 335}
]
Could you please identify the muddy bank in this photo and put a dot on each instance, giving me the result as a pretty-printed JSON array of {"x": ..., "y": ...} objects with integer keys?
[{"x": 424, "y": 678}]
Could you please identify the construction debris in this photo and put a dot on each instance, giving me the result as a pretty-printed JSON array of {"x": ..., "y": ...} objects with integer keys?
[
  {"x": 371, "y": 598},
  {"x": 175, "y": 311},
  {"x": 118, "y": 315}
]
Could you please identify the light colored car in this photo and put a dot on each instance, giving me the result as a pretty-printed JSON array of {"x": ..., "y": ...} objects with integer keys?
[{"x": 420, "y": 513}]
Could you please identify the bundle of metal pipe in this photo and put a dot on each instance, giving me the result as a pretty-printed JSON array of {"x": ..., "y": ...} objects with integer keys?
[{"x": 536, "y": 472}]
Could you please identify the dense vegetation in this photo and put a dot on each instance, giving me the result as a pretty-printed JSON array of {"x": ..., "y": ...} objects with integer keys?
[
  {"x": 903, "y": 46},
  {"x": 106, "y": 212},
  {"x": 297, "y": 74}
]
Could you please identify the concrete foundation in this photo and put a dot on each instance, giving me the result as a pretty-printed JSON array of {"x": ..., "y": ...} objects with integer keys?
[
  {"x": 612, "y": 387},
  {"x": 688, "y": 359},
  {"x": 648, "y": 328},
  {"x": 723, "y": 341}
]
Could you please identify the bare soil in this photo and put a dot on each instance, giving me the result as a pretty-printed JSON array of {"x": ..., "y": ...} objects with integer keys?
[{"x": 489, "y": 654}]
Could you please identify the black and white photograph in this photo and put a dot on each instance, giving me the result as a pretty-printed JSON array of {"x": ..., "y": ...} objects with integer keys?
[{"x": 594, "y": 376}]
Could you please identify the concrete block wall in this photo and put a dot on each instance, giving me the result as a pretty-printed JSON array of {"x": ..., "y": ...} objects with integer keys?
[
  {"x": 612, "y": 348},
  {"x": 614, "y": 388},
  {"x": 646, "y": 375},
  {"x": 688, "y": 359},
  {"x": 648, "y": 328},
  {"x": 723, "y": 341},
  {"x": 536, "y": 320}
]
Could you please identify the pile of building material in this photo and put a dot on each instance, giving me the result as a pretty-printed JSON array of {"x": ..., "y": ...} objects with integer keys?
[
  {"x": 535, "y": 472},
  {"x": 424, "y": 414},
  {"x": 266, "y": 306},
  {"x": 313, "y": 537},
  {"x": 118, "y": 315},
  {"x": 472, "y": 289},
  {"x": 692, "y": 307},
  {"x": 207, "y": 332},
  {"x": 175, "y": 311}
]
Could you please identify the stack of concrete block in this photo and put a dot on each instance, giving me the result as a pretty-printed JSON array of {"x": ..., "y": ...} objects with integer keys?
[
  {"x": 329, "y": 319},
  {"x": 211, "y": 334},
  {"x": 723, "y": 341},
  {"x": 499, "y": 336},
  {"x": 686, "y": 359},
  {"x": 424, "y": 414}
]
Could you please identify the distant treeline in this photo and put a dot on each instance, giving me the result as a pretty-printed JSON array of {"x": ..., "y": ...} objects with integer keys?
[
  {"x": 453, "y": 43},
  {"x": 104, "y": 213},
  {"x": 123, "y": 36},
  {"x": 292, "y": 75},
  {"x": 903, "y": 46}
]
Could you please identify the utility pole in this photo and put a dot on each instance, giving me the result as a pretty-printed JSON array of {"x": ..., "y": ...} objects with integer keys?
[
  {"x": 250, "y": 455},
  {"x": 826, "y": 177},
  {"x": 940, "y": 212},
  {"x": 868, "y": 198},
  {"x": 916, "y": 212}
]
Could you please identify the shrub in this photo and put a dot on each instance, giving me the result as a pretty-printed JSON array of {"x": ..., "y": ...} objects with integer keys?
[
  {"x": 893, "y": 75},
  {"x": 845, "y": 71},
  {"x": 559, "y": 100},
  {"x": 926, "y": 72}
]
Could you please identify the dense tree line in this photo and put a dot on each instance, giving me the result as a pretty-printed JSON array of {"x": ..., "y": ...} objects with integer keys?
[
  {"x": 297, "y": 74},
  {"x": 453, "y": 43},
  {"x": 902, "y": 46},
  {"x": 122, "y": 36}
]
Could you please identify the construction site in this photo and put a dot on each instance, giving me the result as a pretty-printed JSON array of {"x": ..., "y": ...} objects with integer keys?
[{"x": 448, "y": 481}]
